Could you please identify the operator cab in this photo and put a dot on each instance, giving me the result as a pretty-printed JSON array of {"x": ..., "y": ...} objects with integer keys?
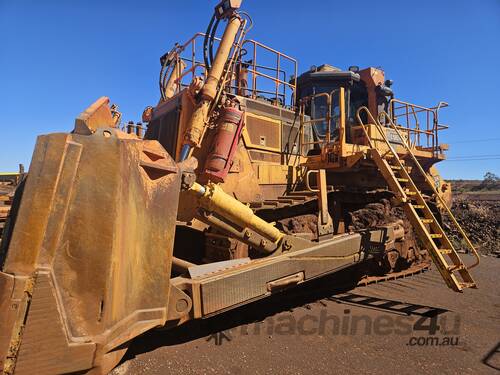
[{"x": 362, "y": 88}]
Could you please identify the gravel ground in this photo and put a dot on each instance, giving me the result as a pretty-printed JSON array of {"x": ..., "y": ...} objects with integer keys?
[
  {"x": 479, "y": 216},
  {"x": 295, "y": 333}
]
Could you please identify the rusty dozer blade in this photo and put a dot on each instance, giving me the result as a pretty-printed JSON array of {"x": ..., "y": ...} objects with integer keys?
[{"x": 86, "y": 266}]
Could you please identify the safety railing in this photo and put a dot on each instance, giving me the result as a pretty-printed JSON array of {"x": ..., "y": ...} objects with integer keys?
[
  {"x": 193, "y": 57},
  {"x": 188, "y": 62},
  {"x": 186, "y": 56},
  {"x": 276, "y": 71},
  {"x": 256, "y": 71},
  {"x": 421, "y": 124}
]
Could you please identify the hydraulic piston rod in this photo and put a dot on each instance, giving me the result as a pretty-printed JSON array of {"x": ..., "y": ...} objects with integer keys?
[
  {"x": 196, "y": 125},
  {"x": 212, "y": 198}
]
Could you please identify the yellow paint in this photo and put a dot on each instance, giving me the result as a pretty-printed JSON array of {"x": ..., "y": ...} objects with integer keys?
[
  {"x": 214, "y": 199},
  {"x": 342, "y": 119},
  {"x": 248, "y": 141},
  {"x": 273, "y": 174}
]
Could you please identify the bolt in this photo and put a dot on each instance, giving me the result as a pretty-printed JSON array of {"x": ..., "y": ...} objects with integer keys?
[
  {"x": 181, "y": 305},
  {"x": 263, "y": 243},
  {"x": 247, "y": 234}
]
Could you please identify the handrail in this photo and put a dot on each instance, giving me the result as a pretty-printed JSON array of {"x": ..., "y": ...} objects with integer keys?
[
  {"x": 420, "y": 107},
  {"x": 191, "y": 70},
  {"x": 410, "y": 112},
  {"x": 279, "y": 59},
  {"x": 379, "y": 128},
  {"x": 308, "y": 185},
  {"x": 282, "y": 76},
  {"x": 420, "y": 169}
]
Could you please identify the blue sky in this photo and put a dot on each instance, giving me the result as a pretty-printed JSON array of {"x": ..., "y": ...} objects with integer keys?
[{"x": 57, "y": 57}]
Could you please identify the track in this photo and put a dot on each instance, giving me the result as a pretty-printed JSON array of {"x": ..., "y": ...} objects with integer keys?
[
  {"x": 296, "y": 213},
  {"x": 411, "y": 271}
]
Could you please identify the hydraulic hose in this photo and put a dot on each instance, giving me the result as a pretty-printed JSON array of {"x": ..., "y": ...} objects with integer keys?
[
  {"x": 212, "y": 41},
  {"x": 205, "y": 42}
]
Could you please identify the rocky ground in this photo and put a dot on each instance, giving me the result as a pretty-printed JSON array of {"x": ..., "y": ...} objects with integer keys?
[
  {"x": 479, "y": 215},
  {"x": 476, "y": 205}
]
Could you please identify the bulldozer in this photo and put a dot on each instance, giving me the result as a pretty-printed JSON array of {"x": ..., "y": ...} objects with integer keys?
[{"x": 245, "y": 180}]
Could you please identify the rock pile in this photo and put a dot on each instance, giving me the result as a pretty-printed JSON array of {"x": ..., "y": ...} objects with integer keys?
[{"x": 480, "y": 220}]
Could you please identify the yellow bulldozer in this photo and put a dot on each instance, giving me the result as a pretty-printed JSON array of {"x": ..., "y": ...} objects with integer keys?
[{"x": 246, "y": 179}]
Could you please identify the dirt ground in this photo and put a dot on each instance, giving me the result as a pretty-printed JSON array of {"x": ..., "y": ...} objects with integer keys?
[{"x": 413, "y": 325}]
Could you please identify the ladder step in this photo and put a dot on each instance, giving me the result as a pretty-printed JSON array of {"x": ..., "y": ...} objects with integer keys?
[
  {"x": 418, "y": 206},
  {"x": 403, "y": 180},
  {"x": 286, "y": 200},
  {"x": 455, "y": 268},
  {"x": 410, "y": 192},
  {"x": 427, "y": 221},
  {"x": 271, "y": 202},
  {"x": 467, "y": 285},
  {"x": 294, "y": 197},
  {"x": 396, "y": 167},
  {"x": 436, "y": 235},
  {"x": 445, "y": 251}
]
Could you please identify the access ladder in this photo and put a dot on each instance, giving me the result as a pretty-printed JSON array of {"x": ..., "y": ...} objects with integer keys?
[{"x": 395, "y": 172}]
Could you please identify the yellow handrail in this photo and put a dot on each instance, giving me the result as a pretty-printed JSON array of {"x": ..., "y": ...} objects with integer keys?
[{"x": 430, "y": 120}]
